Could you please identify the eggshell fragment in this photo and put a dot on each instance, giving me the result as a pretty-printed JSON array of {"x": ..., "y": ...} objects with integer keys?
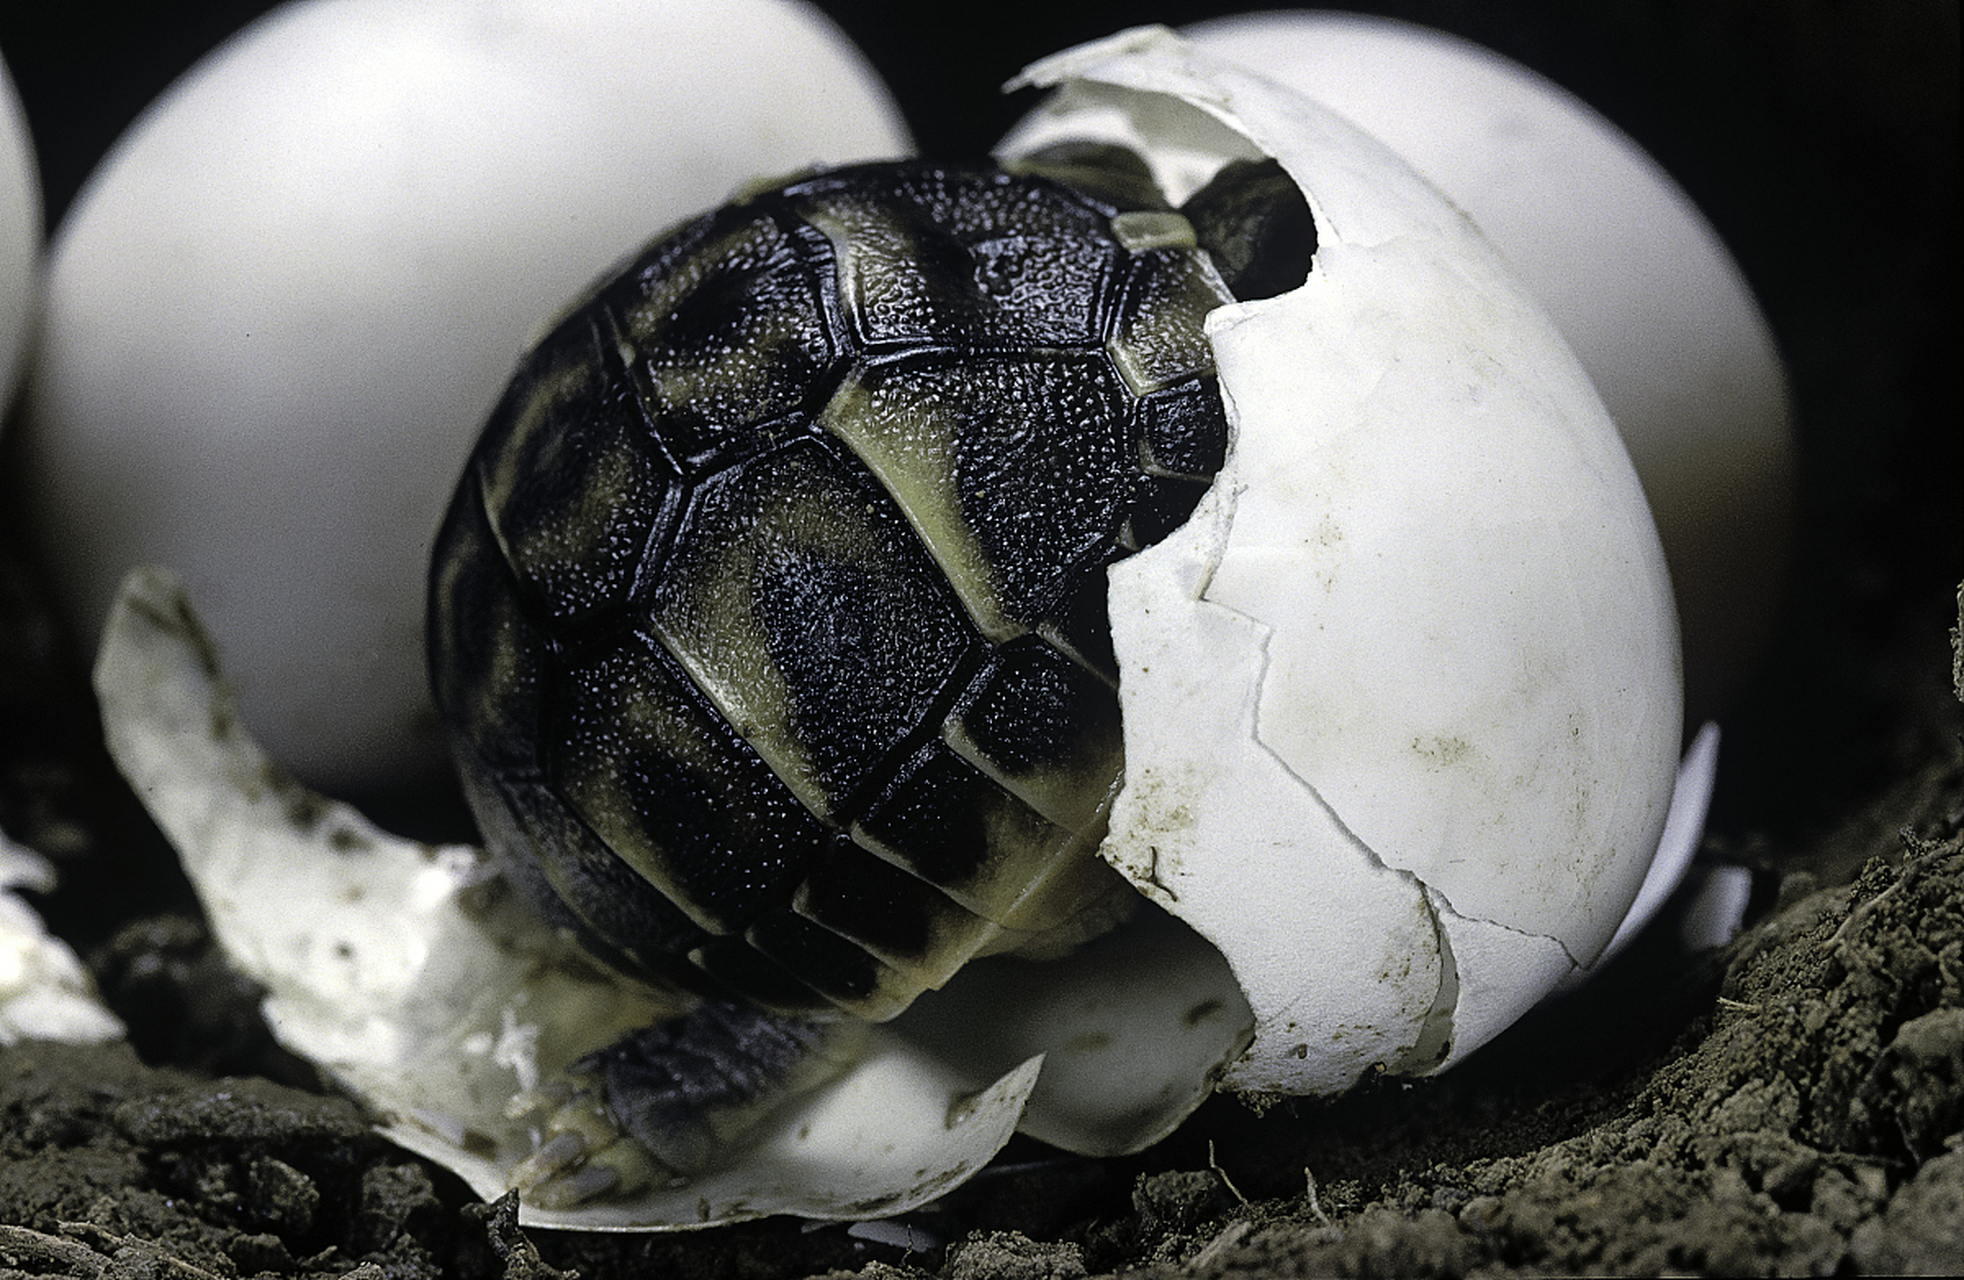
[
  {"x": 1409, "y": 677},
  {"x": 1133, "y": 1029},
  {"x": 405, "y": 973},
  {"x": 45, "y": 992},
  {"x": 281, "y": 309},
  {"x": 1633, "y": 275}
]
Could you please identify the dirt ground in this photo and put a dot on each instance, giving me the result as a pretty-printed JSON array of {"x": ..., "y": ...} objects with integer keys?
[{"x": 1792, "y": 1103}]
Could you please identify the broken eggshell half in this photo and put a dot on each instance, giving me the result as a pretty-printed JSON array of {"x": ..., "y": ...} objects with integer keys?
[
  {"x": 1410, "y": 674},
  {"x": 1401, "y": 714}
]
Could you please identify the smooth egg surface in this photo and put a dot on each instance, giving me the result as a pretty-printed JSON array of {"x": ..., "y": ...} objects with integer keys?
[
  {"x": 1633, "y": 275},
  {"x": 281, "y": 308},
  {"x": 20, "y": 233}
]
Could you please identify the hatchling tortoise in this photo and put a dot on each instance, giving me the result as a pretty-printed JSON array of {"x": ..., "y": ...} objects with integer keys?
[{"x": 768, "y": 620}]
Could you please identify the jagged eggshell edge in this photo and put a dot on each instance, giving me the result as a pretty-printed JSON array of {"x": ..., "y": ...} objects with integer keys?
[{"x": 1402, "y": 700}]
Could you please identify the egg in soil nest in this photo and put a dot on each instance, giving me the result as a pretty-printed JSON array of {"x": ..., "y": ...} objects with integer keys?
[
  {"x": 1436, "y": 738},
  {"x": 280, "y": 308}
]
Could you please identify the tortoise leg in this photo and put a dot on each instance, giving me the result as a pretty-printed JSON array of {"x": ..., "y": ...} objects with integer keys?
[{"x": 661, "y": 1104}]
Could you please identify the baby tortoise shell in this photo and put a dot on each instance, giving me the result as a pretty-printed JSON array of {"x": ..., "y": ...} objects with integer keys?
[{"x": 769, "y": 616}]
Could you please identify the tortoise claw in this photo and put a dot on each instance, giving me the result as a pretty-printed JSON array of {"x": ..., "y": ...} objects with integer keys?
[
  {"x": 585, "y": 1155},
  {"x": 669, "y": 1101}
]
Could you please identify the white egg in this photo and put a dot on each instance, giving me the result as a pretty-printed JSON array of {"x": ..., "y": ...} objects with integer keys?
[
  {"x": 1633, "y": 275},
  {"x": 1401, "y": 717},
  {"x": 280, "y": 310},
  {"x": 20, "y": 234}
]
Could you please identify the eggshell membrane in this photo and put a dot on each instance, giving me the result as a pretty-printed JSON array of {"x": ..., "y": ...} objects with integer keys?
[
  {"x": 1633, "y": 275},
  {"x": 280, "y": 311},
  {"x": 20, "y": 234},
  {"x": 1409, "y": 678}
]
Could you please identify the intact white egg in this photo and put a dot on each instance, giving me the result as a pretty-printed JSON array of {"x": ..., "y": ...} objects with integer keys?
[
  {"x": 1634, "y": 276},
  {"x": 280, "y": 310},
  {"x": 20, "y": 234}
]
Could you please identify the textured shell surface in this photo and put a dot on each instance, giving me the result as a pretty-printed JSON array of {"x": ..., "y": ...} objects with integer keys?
[{"x": 769, "y": 617}]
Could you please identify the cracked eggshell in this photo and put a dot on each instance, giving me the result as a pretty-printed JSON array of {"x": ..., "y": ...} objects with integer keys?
[
  {"x": 407, "y": 974},
  {"x": 1408, "y": 680},
  {"x": 1633, "y": 275},
  {"x": 281, "y": 308}
]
